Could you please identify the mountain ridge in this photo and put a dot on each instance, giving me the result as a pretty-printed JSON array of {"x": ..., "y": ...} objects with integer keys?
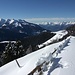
[
  {"x": 56, "y": 26},
  {"x": 19, "y": 27}
]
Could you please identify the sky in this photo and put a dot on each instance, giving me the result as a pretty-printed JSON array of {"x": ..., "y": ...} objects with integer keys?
[{"x": 37, "y": 10}]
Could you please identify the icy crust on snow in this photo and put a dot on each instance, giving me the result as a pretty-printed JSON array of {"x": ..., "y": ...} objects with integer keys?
[{"x": 63, "y": 60}]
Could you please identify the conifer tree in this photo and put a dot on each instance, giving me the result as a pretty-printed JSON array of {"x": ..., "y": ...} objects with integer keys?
[{"x": 12, "y": 51}]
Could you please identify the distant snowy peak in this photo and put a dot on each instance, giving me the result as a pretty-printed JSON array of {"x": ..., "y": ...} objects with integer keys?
[
  {"x": 13, "y": 23},
  {"x": 56, "y": 26},
  {"x": 10, "y": 21},
  {"x": 57, "y": 23},
  {"x": 6, "y": 20},
  {"x": 49, "y": 23}
]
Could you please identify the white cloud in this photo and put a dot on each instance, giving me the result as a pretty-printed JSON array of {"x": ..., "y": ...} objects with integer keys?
[{"x": 39, "y": 20}]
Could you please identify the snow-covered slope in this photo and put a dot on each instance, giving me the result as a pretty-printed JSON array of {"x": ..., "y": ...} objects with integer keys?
[
  {"x": 63, "y": 60},
  {"x": 67, "y": 60},
  {"x": 28, "y": 62},
  {"x": 59, "y": 35}
]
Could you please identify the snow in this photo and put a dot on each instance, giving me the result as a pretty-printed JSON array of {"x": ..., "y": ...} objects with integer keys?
[
  {"x": 3, "y": 25},
  {"x": 9, "y": 69},
  {"x": 11, "y": 21},
  {"x": 8, "y": 41},
  {"x": 16, "y": 24},
  {"x": 60, "y": 63},
  {"x": 67, "y": 60},
  {"x": 28, "y": 62},
  {"x": 20, "y": 25},
  {"x": 58, "y": 35}
]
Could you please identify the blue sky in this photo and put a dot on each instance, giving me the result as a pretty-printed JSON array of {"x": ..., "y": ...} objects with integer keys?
[{"x": 31, "y": 9}]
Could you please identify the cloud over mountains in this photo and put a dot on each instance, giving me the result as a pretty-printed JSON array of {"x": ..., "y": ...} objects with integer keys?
[{"x": 40, "y": 20}]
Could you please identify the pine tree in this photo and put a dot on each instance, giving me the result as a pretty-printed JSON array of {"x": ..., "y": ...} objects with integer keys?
[
  {"x": 19, "y": 50},
  {"x": 12, "y": 51},
  {"x": 7, "y": 54}
]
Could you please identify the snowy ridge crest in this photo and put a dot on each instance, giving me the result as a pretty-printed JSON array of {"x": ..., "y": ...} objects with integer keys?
[{"x": 46, "y": 62}]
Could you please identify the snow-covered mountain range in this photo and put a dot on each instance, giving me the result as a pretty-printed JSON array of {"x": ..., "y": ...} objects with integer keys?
[
  {"x": 53, "y": 57},
  {"x": 56, "y": 26},
  {"x": 9, "y": 28}
]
